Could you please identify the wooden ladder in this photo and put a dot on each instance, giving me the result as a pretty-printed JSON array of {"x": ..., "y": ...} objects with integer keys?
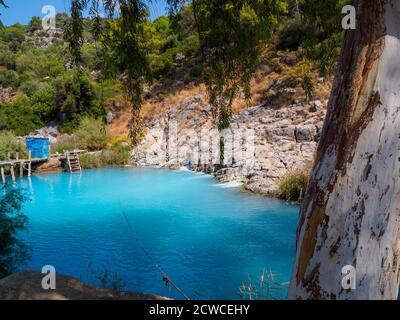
[{"x": 74, "y": 165}]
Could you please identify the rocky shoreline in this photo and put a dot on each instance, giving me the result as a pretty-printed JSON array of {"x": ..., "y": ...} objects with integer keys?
[
  {"x": 285, "y": 140},
  {"x": 27, "y": 285}
]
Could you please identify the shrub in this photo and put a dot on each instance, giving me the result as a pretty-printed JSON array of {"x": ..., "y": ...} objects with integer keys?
[
  {"x": 118, "y": 155},
  {"x": 9, "y": 143},
  {"x": 292, "y": 35},
  {"x": 43, "y": 102},
  {"x": 91, "y": 160},
  {"x": 8, "y": 78},
  {"x": 66, "y": 143},
  {"x": 20, "y": 117},
  {"x": 77, "y": 97},
  {"x": 293, "y": 186},
  {"x": 29, "y": 87},
  {"x": 91, "y": 134}
]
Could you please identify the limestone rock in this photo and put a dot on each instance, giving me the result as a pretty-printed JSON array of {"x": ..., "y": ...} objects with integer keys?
[{"x": 285, "y": 140}]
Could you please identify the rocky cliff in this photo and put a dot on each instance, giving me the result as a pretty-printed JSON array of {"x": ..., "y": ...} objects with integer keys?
[{"x": 285, "y": 138}]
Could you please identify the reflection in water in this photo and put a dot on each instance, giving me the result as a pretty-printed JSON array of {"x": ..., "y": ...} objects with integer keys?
[
  {"x": 13, "y": 251},
  {"x": 209, "y": 240}
]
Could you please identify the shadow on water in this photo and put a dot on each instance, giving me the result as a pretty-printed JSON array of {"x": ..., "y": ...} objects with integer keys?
[{"x": 14, "y": 253}]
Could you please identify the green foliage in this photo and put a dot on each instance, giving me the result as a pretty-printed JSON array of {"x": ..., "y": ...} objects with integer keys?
[
  {"x": 323, "y": 43},
  {"x": 221, "y": 41},
  {"x": 118, "y": 155},
  {"x": 13, "y": 252},
  {"x": 76, "y": 97},
  {"x": 292, "y": 35},
  {"x": 164, "y": 42},
  {"x": 35, "y": 24},
  {"x": 293, "y": 186},
  {"x": 43, "y": 102},
  {"x": 91, "y": 134},
  {"x": 324, "y": 16},
  {"x": 301, "y": 74},
  {"x": 8, "y": 78},
  {"x": 326, "y": 53},
  {"x": 2, "y": 3},
  {"x": 9, "y": 143},
  {"x": 13, "y": 36},
  {"x": 308, "y": 87},
  {"x": 232, "y": 35},
  {"x": 124, "y": 39},
  {"x": 39, "y": 63},
  {"x": 20, "y": 117},
  {"x": 7, "y": 58},
  {"x": 66, "y": 143}
]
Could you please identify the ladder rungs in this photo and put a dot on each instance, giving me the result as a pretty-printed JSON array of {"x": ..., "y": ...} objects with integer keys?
[{"x": 73, "y": 162}]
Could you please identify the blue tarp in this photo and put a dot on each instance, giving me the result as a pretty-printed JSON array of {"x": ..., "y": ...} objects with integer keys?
[{"x": 39, "y": 147}]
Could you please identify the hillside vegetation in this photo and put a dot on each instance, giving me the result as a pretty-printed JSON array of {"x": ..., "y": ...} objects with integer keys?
[{"x": 41, "y": 83}]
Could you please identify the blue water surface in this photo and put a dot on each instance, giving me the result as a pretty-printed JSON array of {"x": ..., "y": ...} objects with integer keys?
[{"x": 208, "y": 239}]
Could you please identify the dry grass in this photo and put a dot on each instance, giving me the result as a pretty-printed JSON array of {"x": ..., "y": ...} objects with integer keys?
[
  {"x": 293, "y": 186},
  {"x": 163, "y": 97}
]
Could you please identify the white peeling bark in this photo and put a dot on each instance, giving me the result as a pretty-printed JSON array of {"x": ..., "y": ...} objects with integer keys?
[{"x": 351, "y": 213}]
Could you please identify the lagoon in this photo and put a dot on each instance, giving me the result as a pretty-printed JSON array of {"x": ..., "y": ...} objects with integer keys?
[{"x": 207, "y": 237}]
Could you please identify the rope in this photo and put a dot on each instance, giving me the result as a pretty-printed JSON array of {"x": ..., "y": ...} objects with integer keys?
[{"x": 165, "y": 277}]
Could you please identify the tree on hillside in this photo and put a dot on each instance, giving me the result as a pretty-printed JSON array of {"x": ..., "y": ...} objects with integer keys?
[
  {"x": 231, "y": 33},
  {"x": 35, "y": 24},
  {"x": 351, "y": 212},
  {"x": 232, "y": 36}
]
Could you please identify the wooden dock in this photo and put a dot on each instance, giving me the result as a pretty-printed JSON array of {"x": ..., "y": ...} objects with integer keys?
[{"x": 20, "y": 166}]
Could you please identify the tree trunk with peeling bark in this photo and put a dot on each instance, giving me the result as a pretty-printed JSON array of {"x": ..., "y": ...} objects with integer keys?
[{"x": 351, "y": 212}]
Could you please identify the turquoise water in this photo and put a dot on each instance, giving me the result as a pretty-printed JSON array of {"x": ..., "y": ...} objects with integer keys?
[{"x": 207, "y": 238}]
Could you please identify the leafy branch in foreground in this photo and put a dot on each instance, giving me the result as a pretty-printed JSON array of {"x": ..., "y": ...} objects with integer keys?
[
  {"x": 325, "y": 32},
  {"x": 2, "y": 4},
  {"x": 122, "y": 36},
  {"x": 13, "y": 251},
  {"x": 232, "y": 36}
]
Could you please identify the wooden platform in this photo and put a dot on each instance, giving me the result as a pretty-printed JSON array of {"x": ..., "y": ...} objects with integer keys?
[{"x": 19, "y": 166}]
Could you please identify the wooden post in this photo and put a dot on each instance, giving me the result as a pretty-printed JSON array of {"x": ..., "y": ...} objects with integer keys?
[
  {"x": 3, "y": 177},
  {"x": 12, "y": 173},
  {"x": 30, "y": 164},
  {"x": 17, "y": 156},
  {"x": 9, "y": 156},
  {"x": 21, "y": 170}
]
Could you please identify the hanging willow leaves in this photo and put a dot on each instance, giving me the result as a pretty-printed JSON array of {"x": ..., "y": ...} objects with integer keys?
[
  {"x": 122, "y": 36},
  {"x": 232, "y": 35},
  {"x": 326, "y": 34},
  {"x": 2, "y": 4}
]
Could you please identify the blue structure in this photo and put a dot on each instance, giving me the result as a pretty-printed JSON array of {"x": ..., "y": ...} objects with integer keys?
[{"x": 39, "y": 147}]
